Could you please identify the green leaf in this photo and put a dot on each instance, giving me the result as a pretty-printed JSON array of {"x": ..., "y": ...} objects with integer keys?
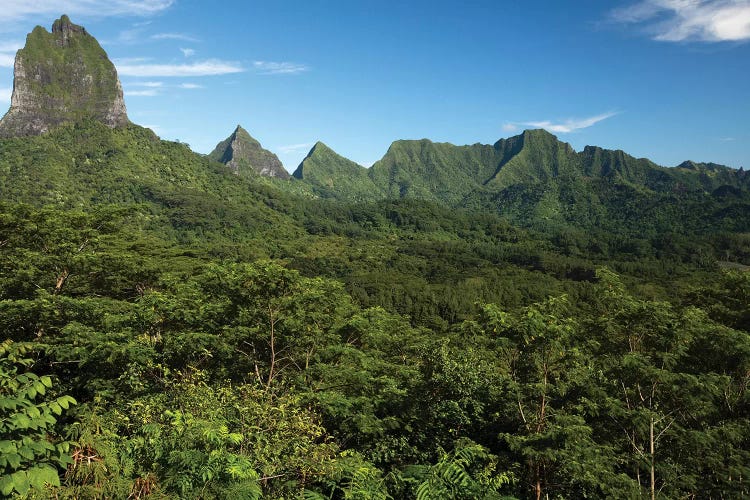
[
  {"x": 42, "y": 475},
  {"x": 20, "y": 482},
  {"x": 56, "y": 408},
  {"x": 66, "y": 401},
  {"x": 40, "y": 387},
  {"x": 7, "y": 447},
  {"x": 20, "y": 422},
  {"x": 14, "y": 460},
  {"x": 6, "y": 485},
  {"x": 26, "y": 453}
]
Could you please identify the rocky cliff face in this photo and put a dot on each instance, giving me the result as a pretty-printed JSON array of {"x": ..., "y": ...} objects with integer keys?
[
  {"x": 62, "y": 76},
  {"x": 243, "y": 154}
]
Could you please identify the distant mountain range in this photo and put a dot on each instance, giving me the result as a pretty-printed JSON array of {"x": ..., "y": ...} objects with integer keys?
[
  {"x": 67, "y": 91},
  {"x": 457, "y": 174}
]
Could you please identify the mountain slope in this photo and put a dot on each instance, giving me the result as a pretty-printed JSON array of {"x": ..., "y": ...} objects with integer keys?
[
  {"x": 330, "y": 175},
  {"x": 534, "y": 156},
  {"x": 190, "y": 195},
  {"x": 433, "y": 171},
  {"x": 243, "y": 154}
]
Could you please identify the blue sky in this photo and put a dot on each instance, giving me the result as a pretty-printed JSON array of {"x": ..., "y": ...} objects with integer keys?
[{"x": 663, "y": 79}]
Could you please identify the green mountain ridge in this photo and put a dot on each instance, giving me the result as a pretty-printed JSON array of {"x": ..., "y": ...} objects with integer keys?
[
  {"x": 532, "y": 157},
  {"x": 436, "y": 171},
  {"x": 330, "y": 175},
  {"x": 529, "y": 178},
  {"x": 179, "y": 192}
]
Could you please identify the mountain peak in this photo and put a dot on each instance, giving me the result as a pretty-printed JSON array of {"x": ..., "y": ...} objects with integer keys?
[
  {"x": 243, "y": 153},
  {"x": 62, "y": 76},
  {"x": 330, "y": 175},
  {"x": 539, "y": 132},
  {"x": 65, "y": 28},
  {"x": 319, "y": 153},
  {"x": 320, "y": 147}
]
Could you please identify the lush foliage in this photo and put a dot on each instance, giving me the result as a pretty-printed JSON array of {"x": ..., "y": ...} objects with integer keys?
[
  {"x": 234, "y": 337},
  {"x": 29, "y": 459}
]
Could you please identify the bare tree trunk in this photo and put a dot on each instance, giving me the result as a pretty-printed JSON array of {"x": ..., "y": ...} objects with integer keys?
[
  {"x": 538, "y": 485},
  {"x": 652, "y": 446},
  {"x": 61, "y": 281},
  {"x": 272, "y": 366}
]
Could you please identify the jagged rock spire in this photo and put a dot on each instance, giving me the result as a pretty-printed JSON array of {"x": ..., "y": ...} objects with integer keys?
[{"x": 62, "y": 76}]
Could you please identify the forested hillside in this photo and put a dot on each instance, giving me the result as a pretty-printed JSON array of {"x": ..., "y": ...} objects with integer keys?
[
  {"x": 242, "y": 378},
  {"x": 397, "y": 348}
]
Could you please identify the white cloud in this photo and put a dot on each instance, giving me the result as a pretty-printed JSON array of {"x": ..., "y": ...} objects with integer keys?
[
  {"x": 279, "y": 68},
  {"x": 727, "y": 139},
  {"x": 174, "y": 36},
  {"x": 5, "y": 94},
  {"x": 510, "y": 127},
  {"x": 561, "y": 127},
  {"x": 142, "y": 93},
  {"x": 7, "y": 60},
  {"x": 151, "y": 85},
  {"x": 293, "y": 148},
  {"x": 201, "y": 68},
  {"x": 10, "y": 46},
  {"x": 129, "y": 36},
  {"x": 690, "y": 20},
  {"x": 131, "y": 60},
  {"x": 8, "y": 53},
  {"x": 156, "y": 128},
  {"x": 190, "y": 86},
  {"x": 14, "y": 10},
  {"x": 187, "y": 52}
]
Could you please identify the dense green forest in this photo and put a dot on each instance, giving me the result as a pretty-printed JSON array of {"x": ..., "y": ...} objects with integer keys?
[{"x": 174, "y": 330}]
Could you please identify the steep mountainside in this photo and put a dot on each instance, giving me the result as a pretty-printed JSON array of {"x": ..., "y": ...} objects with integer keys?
[
  {"x": 62, "y": 76},
  {"x": 436, "y": 171},
  {"x": 243, "y": 154},
  {"x": 533, "y": 157},
  {"x": 330, "y": 175}
]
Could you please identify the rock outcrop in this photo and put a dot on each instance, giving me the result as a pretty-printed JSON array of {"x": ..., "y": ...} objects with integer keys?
[
  {"x": 62, "y": 76},
  {"x": 243, "y": 155}
]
